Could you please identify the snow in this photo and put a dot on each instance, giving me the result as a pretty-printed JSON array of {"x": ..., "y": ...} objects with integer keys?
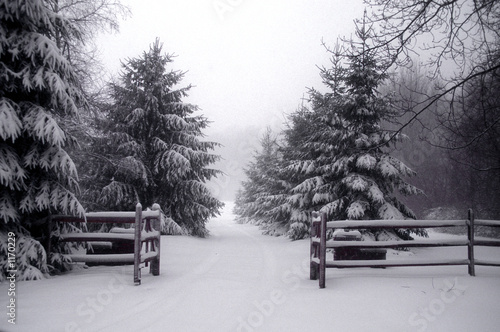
[
  {"x": 12, "y": 174},
  {"x": 356, "y": 210},
  {"x": 376, "y": 194},
  {"x": 458, "y": 241},
  {"x": 121, "y": 235},
  {"x": 44, "y": 126},
  {"x": 10, "y": 124},
  {"x": 396, "y": 223},
  {"x": 355, "y": 182},
  {"x": 366, "y": 162},
  {"x": 387, "y": 168},
  {"x": 240, "y": 280},
  {"x": 389, "y": 211}
]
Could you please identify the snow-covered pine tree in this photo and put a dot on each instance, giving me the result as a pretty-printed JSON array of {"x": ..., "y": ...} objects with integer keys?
[
  {"x": 38, "y": 87},
  {"x": 356, "y": 177},
  {"x": 263, "y": 190},
  {"x": 310, "y": 143},
  {"x": 302, "y": 153},
  {"x": 154, "y": 149}
]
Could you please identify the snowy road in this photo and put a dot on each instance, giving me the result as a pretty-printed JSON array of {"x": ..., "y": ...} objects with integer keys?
[{"x": 239, "y": 280}]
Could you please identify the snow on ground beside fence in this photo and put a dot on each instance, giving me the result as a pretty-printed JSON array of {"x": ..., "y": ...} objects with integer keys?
[{"x": 240, "y": 280}]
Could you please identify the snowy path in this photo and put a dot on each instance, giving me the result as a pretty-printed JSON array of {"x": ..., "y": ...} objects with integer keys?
[{"x": 239, "y": 280}]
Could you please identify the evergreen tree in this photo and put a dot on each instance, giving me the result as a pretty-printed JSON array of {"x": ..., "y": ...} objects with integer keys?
[
  {"x": 267, "y": 197},
  {"x": 358, "y": 176},
  {"x": 336, "y": 157},
  {"x": 262, "y": 192},
  {"x": 153, "y": 152},
  {"x": 310, "y": 145},
  {"x": 307, "y": 145},
  {"x": 38, "y": 87}
]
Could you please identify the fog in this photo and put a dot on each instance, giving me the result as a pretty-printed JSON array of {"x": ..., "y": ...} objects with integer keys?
[{"x": 250, "y": 62}]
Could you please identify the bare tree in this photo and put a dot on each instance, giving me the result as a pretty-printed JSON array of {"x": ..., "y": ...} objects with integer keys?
[
  {"x": 91, "y": 17},
  {"x": 460, "y": 39}
]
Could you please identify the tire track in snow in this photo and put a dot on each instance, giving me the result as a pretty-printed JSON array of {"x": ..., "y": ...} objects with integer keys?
[
  {"x": 235, "y": 261},
  {"x": 242, "y": 248}
]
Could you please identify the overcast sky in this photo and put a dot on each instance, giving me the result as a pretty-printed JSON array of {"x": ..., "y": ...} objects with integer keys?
[{"x": 251, "y": 61}]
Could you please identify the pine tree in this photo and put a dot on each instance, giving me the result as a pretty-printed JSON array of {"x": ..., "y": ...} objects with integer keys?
[
  {"x": 304, "y": 149},
  {"x": 153, "y": 149},
  {"x": 358, "y": 177},
  {"x": 38, "y": 87},
  {"x": 310, "y": 145},
  {"x": 262, "y": 192},
  {"x": 267, "y": 197}
]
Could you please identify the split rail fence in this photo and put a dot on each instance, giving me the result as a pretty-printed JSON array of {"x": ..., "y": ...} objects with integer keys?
[
  {"x": 145, "y": 237},
  {"x": 319, "y": 243}
]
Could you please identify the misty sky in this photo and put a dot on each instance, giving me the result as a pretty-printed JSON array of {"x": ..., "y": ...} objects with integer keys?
[{"x": 250, "y": 61}]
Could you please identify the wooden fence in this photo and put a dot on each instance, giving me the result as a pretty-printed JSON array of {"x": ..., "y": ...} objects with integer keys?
[
  {"x": 145, "y": 237},
  {"x": 319, "y": 243}
]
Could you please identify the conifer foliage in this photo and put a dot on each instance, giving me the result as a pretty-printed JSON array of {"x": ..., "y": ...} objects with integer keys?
[
  {"x": 257, "y": 200},
  {"x": 337, "y": 155},
  {"x": 152, "y": 149},
  {"x": 359, "y": 171},
  {"x": 38, "y": 87}
]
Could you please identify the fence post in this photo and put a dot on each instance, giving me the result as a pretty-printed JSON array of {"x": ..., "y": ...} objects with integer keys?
[
  {"x": 313, "y": 267},
  {"x": 137, "y": 244},
  {"x": 155, "y": 264},
  {"x": 470, "y": 232},
  {"x": 322, "y": 252}
]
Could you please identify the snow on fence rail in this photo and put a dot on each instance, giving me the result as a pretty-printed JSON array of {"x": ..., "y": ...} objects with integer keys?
[
  {"x": 319, "y": 243},
  {"x": 145, "y": 237}
]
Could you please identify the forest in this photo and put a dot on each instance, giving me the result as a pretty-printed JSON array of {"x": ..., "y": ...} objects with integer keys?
[{"x": 395, "y": 135}]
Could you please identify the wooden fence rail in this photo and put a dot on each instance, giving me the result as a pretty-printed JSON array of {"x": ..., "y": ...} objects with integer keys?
[
  {"x": 319, "y": 243},
  {"x": 145, "y": 237}
]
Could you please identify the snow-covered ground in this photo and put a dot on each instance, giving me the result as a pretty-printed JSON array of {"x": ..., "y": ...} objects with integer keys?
[{"x": 240, "y": 280}]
